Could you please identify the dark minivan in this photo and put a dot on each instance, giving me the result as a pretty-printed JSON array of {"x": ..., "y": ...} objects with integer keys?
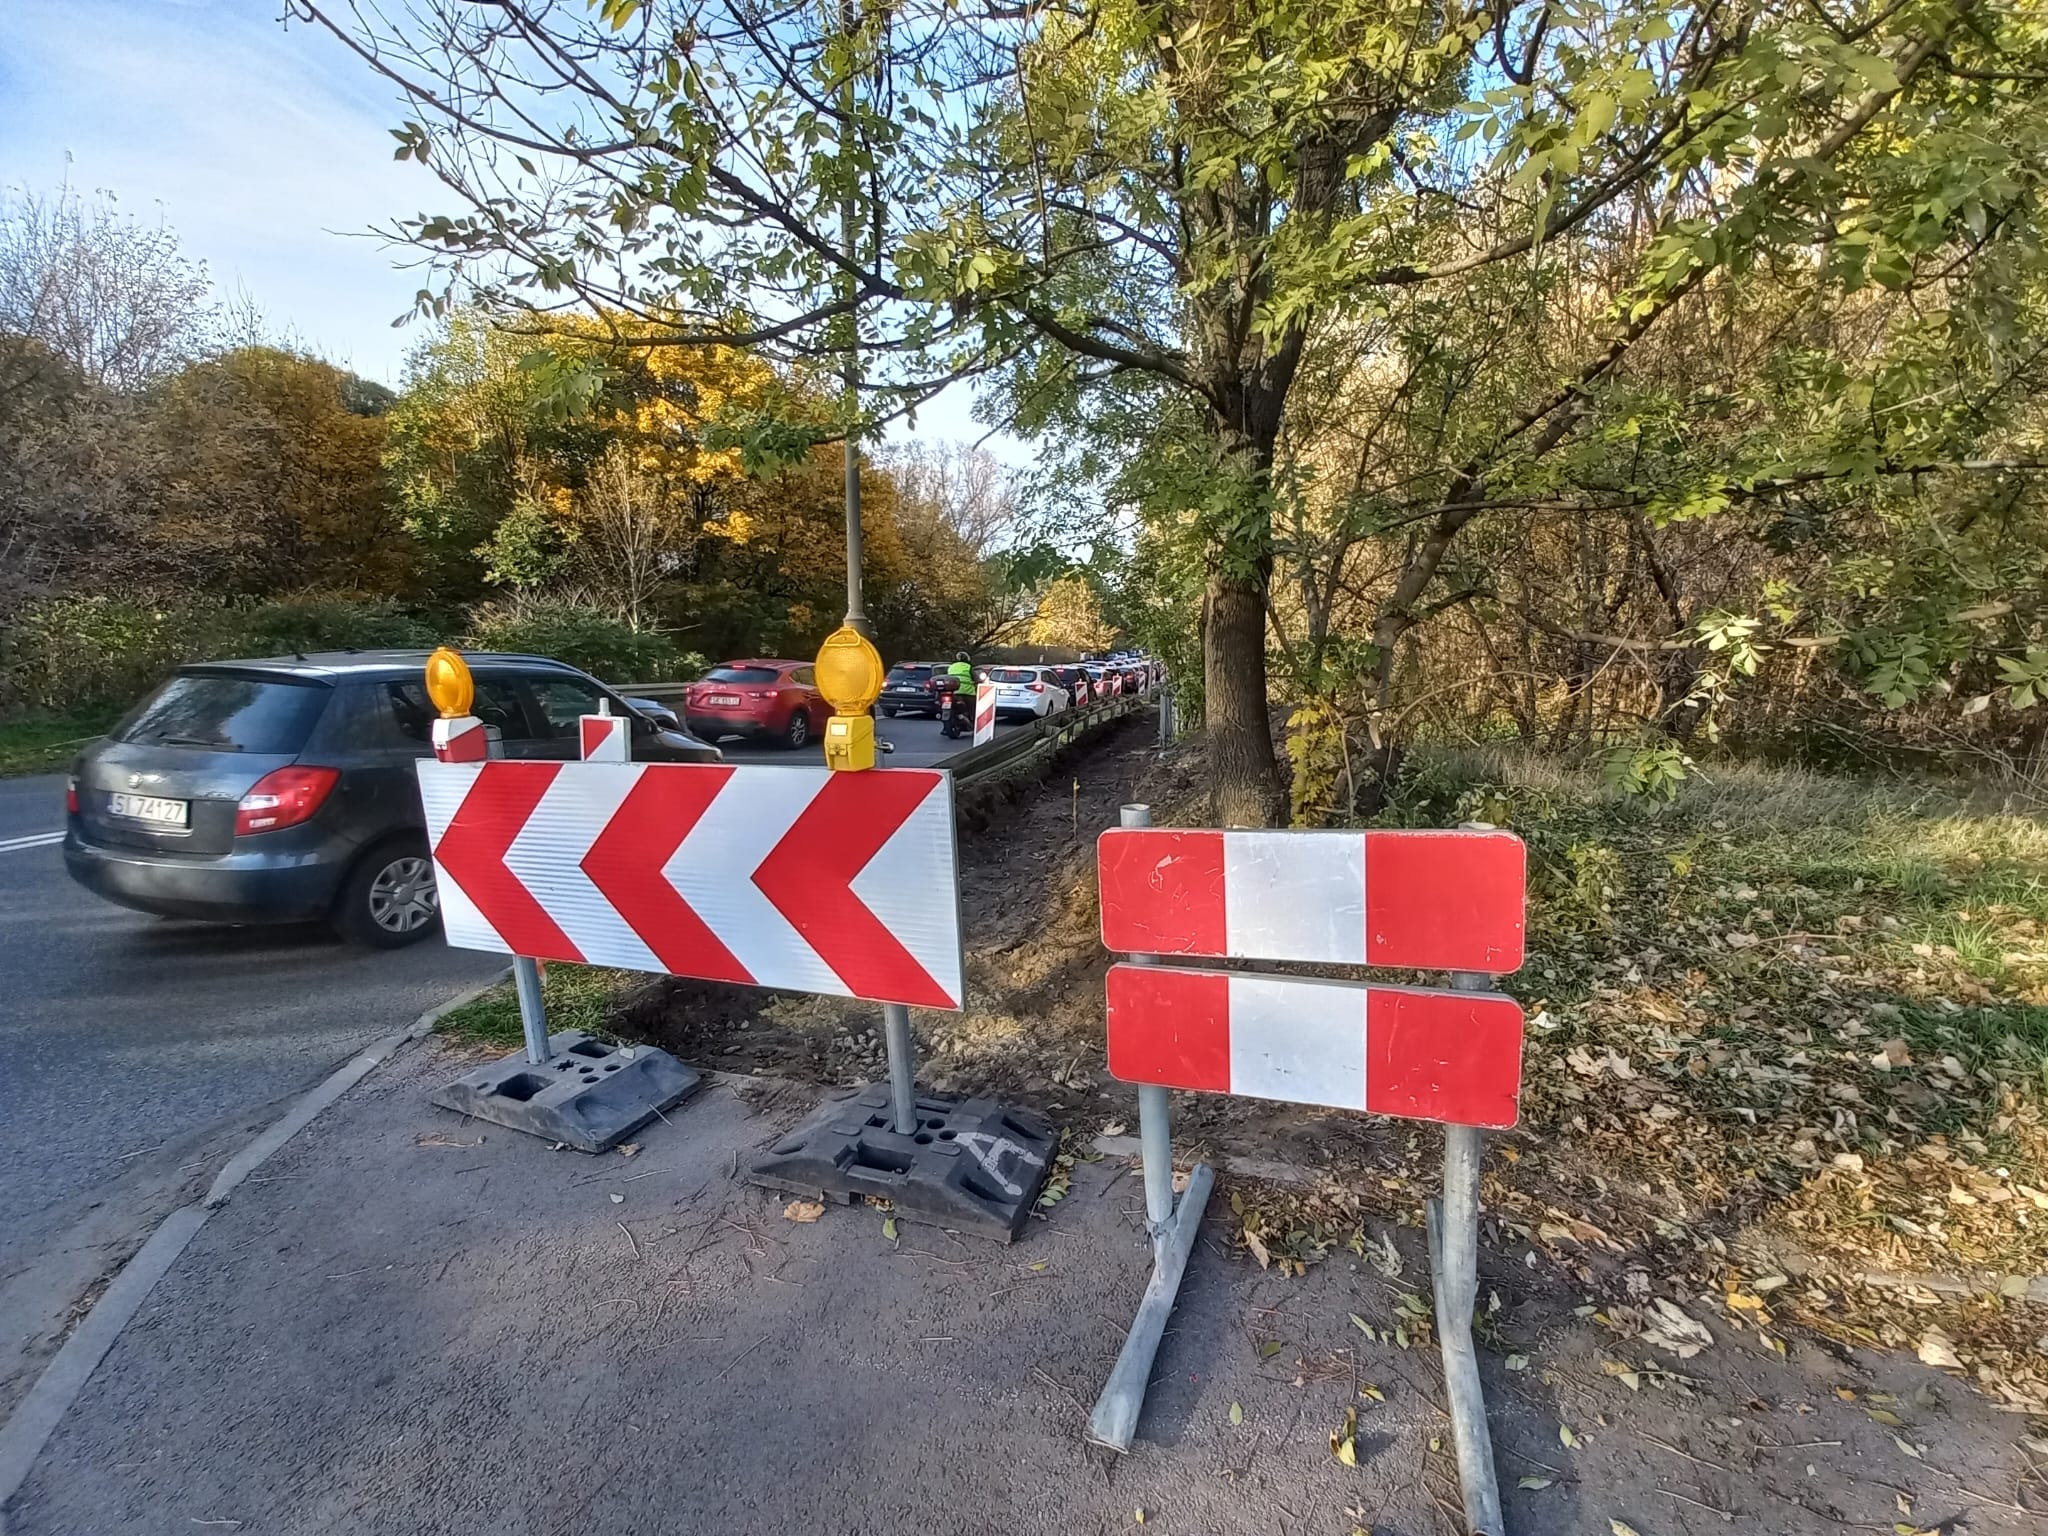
[{"x": 282, "y": 789}]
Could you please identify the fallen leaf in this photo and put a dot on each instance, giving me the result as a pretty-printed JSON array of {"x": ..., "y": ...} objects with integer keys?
[
  {"x": 1361, "y": 1325},
  {"x": 629, "y": 1149},
  {"x": 1621, "y": 1528},
  {"x": 1937, "y": 1350},
  {"x": 803, "y": 1210},
  {"x": 1517, "y": 1362},
  {"x": 1270, "y": 1348},
  {"x": 1138, "y": 1516},
  {"x": 1907, "y": 1446},
  {"x": 1237, "y": 1413},
  {"x": 1251, "y": 1241},
  {"x": 1373, "y": 1392},
  {"x": 1885, "y": 1417},
  {"x": 1534, "y": 1484},
  {"x": 1849, "y": 1162},
  {"x": 1672, "y": 1331},
  {"x": 1566, "y": 1438},
  {"x": 1344, "y": 1442},
  {"x": 618, "y": 1199},
  {"x": 1114, "y": 1128},
  {"x": 889, "y": 1228}
]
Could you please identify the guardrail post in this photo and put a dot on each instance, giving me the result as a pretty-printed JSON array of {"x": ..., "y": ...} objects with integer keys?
[
  {"x": 1454, "y": 1272},
  {"x": 1172, "y": 1228},
  {"x": 1165, "y": 716}
]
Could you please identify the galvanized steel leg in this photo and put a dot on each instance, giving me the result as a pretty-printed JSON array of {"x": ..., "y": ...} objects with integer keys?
[
  {"x": 1155, "y": 1138},
  {"x": 533, "y": 1013},
  {"x": 1172, "y": 1227},
  {"x": 1115, "y": 1419},
  {"x": 902, "y": 1067},
  {"x": 1454, "y": 1267}
]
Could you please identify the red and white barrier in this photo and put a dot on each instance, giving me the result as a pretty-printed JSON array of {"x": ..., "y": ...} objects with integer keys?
[
  {"x": 1410, "y": 1051},
  {"x": 984, "y": 713},
  {"x": 840, "y": 883},
  {"x": 1429, "y": 900},
  {"x": 605, "y": 738},
  {"x": 460, "y": 740}
]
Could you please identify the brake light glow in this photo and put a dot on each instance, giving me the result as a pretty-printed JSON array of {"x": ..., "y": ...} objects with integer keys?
[
  {"x": 71, "y": 795},
  {"x": 1038, "y": 687},
  {"x": 283, "y": 798}
]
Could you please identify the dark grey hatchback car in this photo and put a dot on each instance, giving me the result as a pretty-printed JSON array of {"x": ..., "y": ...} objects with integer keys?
[{"x": 282, "y": 790}]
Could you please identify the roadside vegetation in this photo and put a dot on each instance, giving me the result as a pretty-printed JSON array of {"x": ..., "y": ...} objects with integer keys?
[{"x": 179, "y": 483}]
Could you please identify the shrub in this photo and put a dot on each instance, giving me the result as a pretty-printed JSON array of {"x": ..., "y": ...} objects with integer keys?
[
  {"x": 93, "y": 653},
  {"x": 583, "y": 637}
]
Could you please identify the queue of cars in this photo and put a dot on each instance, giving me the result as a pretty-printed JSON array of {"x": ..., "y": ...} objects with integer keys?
[
  {"x": 282, "y": 789},
  {"x": 1023, "y": 691}
]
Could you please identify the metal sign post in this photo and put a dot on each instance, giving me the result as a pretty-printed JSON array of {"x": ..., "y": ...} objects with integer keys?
[
  {"x": 1420, "y": 900},
  {"x": 1172, "y": 1229}
]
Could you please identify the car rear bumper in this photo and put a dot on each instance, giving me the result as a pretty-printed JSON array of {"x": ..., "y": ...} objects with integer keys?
[
  {"x": 258, "y": 886},
  {"x": 710, "y": 724}
]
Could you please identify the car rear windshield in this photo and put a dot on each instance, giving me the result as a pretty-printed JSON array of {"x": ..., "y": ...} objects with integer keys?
[
  {"x": 740, "y": 675},
  {"x": 910, "y": 674},
  {"x": 224, "y": 713},
  {"x": 1012, "y": 675}
]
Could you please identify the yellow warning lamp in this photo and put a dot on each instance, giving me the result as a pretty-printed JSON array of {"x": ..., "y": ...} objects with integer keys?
[
  {"x": 850, "y": 676},
  {"x": 449, "y": 684}
]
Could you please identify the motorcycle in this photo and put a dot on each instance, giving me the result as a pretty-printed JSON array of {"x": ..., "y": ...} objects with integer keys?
[{"x": 956, "y": 711}]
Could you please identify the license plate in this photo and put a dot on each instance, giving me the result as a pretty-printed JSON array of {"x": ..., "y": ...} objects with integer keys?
[
  {"x": 723, "y": 698},
  {"x": 168, "y": 813}
]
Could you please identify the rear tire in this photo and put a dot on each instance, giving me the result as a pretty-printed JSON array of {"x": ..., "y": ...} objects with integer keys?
[
  {"x": 798, "y": 732},
  {"x": 389, "y": 899},
  {"x": 888, "y": 712}
]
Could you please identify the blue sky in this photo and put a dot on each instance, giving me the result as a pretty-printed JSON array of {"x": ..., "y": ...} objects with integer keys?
[{"x": 267, "y": 150}]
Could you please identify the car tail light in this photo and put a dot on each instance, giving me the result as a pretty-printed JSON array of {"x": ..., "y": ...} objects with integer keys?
[
  {"x": 282, "y": 798},
  {"x": 71, "y": 795},
  {"x": 1038, "y": 687},
  {"x": 760, "y": 693}
]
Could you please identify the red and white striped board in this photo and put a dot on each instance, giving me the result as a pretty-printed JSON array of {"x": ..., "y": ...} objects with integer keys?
[
  {"x": 839, "y": 883},
  {"x": 1409, "y": 1051},
  {"x": 984, "y": 713},
  {"x": 605, "y": 738},
  {"x": 1450, "y": 901}
]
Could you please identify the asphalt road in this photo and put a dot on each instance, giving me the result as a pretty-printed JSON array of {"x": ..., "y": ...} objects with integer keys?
[{"x": 123, "y": 1032}]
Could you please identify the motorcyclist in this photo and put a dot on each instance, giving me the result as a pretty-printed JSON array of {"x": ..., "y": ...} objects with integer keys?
[{"x": 959, "y": 716}]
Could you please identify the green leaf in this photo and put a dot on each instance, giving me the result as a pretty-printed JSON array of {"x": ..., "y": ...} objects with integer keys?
[
  {"x": 1237, "y": 1413},
  {"x": 889, "y": 1228}
]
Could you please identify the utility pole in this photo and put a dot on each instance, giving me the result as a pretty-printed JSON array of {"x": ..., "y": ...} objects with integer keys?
[{"x": 849, "y": 236}]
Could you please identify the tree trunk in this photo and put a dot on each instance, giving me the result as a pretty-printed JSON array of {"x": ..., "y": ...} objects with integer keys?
[{"x": 1244, "y": 779}]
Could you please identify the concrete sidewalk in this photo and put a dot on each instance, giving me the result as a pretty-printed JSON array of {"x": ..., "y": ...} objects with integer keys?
[{"x": 409, "y": 1323}]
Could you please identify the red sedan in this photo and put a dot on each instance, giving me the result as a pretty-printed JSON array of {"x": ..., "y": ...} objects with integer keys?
[{"x": 768, "y": 700}]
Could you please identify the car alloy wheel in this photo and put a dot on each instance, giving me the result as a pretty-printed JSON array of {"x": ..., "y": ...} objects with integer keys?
[
  {"x": 402, "y": 896},
  {"x": 799, "y": 730}
]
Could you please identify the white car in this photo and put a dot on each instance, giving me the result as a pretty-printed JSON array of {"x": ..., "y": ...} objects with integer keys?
[{"x": 1026, "y": 691}]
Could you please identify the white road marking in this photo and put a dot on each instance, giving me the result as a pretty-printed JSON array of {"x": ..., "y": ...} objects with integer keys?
[{"x": 38, "y": 840}]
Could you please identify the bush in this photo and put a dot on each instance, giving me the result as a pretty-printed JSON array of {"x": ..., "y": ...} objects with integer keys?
[
  {"x": 583, "y": 637},
  {"x": 82, "y": 654}
]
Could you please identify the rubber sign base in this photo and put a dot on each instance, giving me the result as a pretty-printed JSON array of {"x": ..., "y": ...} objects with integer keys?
[
  {"x": 971, "y": 1163},
  {"x": 588, "y": 1094}
]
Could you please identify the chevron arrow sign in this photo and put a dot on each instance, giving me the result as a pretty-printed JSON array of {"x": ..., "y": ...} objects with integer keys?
[{"x": 800, "y": 878}]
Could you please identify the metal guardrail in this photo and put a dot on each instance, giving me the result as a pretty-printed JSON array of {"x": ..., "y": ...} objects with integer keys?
[{"x": 991, "y": 757}]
